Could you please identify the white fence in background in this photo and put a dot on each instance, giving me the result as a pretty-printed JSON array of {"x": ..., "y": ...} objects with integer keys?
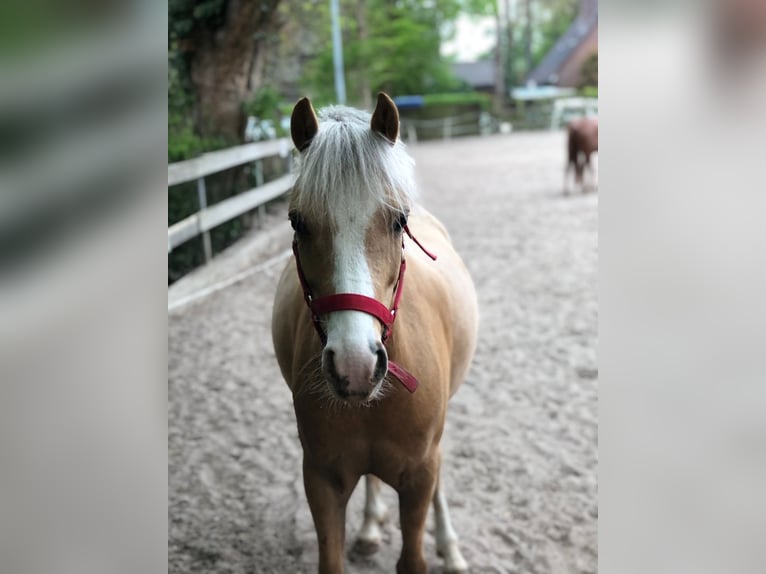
[
  {"x": 207, "y": 218},
  {"x": 566, "y": 109},
  {"x": 453, "y": 126}
]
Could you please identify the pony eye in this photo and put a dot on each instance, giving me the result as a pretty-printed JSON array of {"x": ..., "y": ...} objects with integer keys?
[
  {"x": 401, "y": 222},
  {"x": 299, "y": 226}
]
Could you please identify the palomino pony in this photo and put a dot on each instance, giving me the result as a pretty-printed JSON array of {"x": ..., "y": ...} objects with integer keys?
[
  {"x": 371, "y": 354},
  {"x": 582, "y": 141}
]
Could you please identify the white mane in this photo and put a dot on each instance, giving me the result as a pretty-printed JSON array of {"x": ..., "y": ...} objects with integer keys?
[{"x": 347, "y": 164}]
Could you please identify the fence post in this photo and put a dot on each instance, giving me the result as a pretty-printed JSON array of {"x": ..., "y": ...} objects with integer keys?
[
  {"x": 412, "y": 133},
  {"x": 259, "y": 183},
  {"x": 202, "y": 196},
  {"x": 555, "y": 116}
]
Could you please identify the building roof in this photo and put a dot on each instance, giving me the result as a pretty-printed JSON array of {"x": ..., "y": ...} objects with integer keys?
[
  {"x": 479, "y": 74},
  {"x": 548, "y": 69}
]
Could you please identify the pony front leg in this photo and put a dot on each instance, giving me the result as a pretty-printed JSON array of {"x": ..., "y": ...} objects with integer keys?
[
  {"x": 414, "y": 498},
  {"x": 327, "y": 495},
  {"x": 566, "y": 177},
  {"x": 375, "y": 514},
  {"x": 446, "y": 538},
  {"x": 592, "y": 181}
]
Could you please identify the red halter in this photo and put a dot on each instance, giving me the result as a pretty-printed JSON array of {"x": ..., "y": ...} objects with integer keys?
[{"x": 357, "y": 302}]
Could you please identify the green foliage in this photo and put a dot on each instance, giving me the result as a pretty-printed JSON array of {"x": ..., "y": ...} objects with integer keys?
[
  {"x": 185, "y": 16},
  {"x": 589, "y": 73},
  {"x": 189, "y": 26},
  {"x": 183, "y": 141},
  {"x": 268, "y": 104},
  {"x": 551, "y": 18},
  {"x": 264, "y": 103},
  {"x": 388, "y": 46},
  {"x": 181, "y": 138},
  {"x": 589, "y": 92},
  {"x": 479, "y": 7},
  {"x": 457, "y": 99},
  {"x": 286, "y": 108},
  {"x": 554, "y": 19}
]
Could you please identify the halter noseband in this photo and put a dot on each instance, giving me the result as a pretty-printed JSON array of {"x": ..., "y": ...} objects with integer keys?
[{"x": 365, "y": 304}]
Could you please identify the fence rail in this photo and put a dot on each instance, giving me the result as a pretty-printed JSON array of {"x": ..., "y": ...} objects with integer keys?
[
  {"x": 470, "y": 123},
  {"x": 567, "y": 108},
  {"x": 215, "y": 161},
  {"x": 201, "y": 222}
]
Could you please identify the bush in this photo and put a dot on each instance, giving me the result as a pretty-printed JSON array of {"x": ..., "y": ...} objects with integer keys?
[
  {"x": 458, "y": 98},
  {"x": 184, "y": 143},
  {"x": 589, "y": 72},
  {"x": 265, "y": 104}
]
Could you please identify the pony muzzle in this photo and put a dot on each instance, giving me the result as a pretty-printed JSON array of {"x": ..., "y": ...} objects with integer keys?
[{"x": 354, "y": 373}]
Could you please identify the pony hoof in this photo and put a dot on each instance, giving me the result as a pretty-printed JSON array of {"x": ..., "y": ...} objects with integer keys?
[
  {"x": 454, "y": 563},
  {"x": 457, "y": 567},
  {"x": 366, "y": 547}
]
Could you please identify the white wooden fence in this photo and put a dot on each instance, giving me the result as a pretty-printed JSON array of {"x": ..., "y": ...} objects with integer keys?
[
  {"x": 567, "y": 108},
  {"x": 207, "y": 218},
  {"x": 469, "y": 123}
]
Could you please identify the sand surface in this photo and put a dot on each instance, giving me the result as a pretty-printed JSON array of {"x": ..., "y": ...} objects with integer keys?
[{"x": 520, "y": 444}]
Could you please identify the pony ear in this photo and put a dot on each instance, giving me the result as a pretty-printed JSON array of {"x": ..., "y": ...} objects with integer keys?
[
  {"x": 303, "y": 124},
  {"x": 385, "y": 118}
]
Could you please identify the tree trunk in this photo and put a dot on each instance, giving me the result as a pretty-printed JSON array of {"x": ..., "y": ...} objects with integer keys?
[
  {"x": 528, "y": 38},
  {"x": 221, "y": 64},
  {"x": 510, "y": 76},
  {"x": 499, "y": 65}
]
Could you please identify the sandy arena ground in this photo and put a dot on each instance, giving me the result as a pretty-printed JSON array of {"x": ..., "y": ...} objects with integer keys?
[{"x": 520, "y": 445}]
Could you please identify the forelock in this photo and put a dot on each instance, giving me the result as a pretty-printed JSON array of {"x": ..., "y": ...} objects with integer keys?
[{"x": 348, "y": 165}]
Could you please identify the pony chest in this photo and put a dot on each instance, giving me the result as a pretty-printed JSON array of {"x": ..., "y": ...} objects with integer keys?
[{"x": 359, "y": 441}]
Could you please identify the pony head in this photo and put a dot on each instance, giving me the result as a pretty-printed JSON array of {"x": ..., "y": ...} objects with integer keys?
[{"x": 349, "y": 206}]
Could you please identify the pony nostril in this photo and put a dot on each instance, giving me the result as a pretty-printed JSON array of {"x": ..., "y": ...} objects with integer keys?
[
  {"x": 381, "y": 366},
  {"x": 328, "y": 365}
]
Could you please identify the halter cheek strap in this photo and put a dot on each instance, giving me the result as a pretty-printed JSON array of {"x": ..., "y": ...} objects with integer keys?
[
  {"x": 365, "y": 304},
  {"x": 411, "y": 236}
]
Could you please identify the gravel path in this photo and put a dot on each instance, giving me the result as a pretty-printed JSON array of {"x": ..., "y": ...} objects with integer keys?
[{"x": 520, "y": 445}]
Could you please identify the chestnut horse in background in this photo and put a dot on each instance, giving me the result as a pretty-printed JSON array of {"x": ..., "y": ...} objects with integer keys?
[
  {"x": 582, "y": 141},
  {"x": 371, "y": 354}
]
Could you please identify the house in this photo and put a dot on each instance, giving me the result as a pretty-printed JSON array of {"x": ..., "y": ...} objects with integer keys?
[
  {"x": 561, "y": 65},
  {"x": 479, "y": 75}
]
